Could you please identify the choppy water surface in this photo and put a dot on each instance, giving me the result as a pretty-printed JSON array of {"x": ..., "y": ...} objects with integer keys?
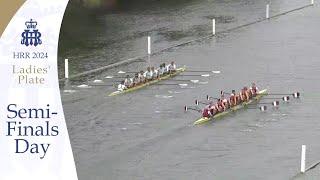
[{"x": 146, "y": 134}]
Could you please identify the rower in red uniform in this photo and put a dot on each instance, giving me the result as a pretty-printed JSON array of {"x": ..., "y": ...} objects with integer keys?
[
  {"x": 233, "y": 98},
  {"x": 246, "y": 94},
  {"x": 224, "y": 101},
  {"x": 207, "y": 110},
  {"x": 254, "y": 89}
]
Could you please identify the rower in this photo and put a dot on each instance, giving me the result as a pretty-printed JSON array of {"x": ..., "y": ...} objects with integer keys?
[
  {"x": 206, "y": 112},
  {"x": 254, "y": 89},
  {"x": 224, "y": 101},
  {"x": 148, "y": 74},
  {"x": 141, "y": 77},
  {"x": 165, "y": 69},
  {"x": 121, "y": 86},
  {"x": 160, "y": 70},
  {"x": 233, "y": 98},
  {"x": 172, "y": 67},
  {"x": 136, "y": 79},
  {"x": 220, "y": 106},
  {"x": 155, "y": 73},
  {"x": 128, "y": 81},
  {"x": 246, "y": 93}
]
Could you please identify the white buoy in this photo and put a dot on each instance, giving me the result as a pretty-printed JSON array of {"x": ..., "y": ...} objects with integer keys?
[
  {"x": 149, "y": 45},
  {"x": 312, "y": 2},
  {"x": 267, "y": 11},
  {"x": 213, "y": 26},
  {"x": 66, "y": 69},
  {"x": 303, "y": 158}
]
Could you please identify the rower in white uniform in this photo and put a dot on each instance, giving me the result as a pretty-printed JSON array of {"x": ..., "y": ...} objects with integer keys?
[
  {"x": 155, "y": 73},
  {"x": 121, "y": 86},
  {"x": 148, "y": 74},
  {"x": 172, "y": 67},
  {"x": 128, "y": 82}
]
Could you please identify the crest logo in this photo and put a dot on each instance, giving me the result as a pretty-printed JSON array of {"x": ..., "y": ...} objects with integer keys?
[{"x": 31, "y": 35}]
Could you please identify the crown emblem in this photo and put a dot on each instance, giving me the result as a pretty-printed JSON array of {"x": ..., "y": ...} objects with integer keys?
[{"x": 31, "y": 24}]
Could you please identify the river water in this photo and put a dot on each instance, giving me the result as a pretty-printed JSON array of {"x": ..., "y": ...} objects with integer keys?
[{"x": 147, "y": 135}]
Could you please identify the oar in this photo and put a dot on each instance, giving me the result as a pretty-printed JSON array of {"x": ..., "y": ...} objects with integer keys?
[
  {"x": 175, "y": 84},
  {"x": 185, "y": 80},
  {"x": 274, "y": 103},
  {"x": 285, "y": 98},
  {"x": 295, "y": 95},
  {"x": 209, "y": 97},
  {"x": 216, "y": 72},
  {"x": 202, "y": 75},
  {"x": 102, "y": 85},
  {"x": 200, "y": 102},
  {"x": 186, "y": 108},
  {"x": 261, "y": 108}
]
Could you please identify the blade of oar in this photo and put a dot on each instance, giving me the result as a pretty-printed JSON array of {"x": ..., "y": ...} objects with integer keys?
[
  {"x": 185, "y": 80},
  {"x": 186, "y": 108},
  {"x": 274, "y": 103},
  {"x": 203, "y": 75},
  {"x": 205, "y": 71},
  {"x": 295, "y": 95},
  {"x": 261, "y": 108},
  {"x": 175, "y": 84},
  {"x": 200, "y": 102},
  {"x": 285, "y": 98},
  {"x": 209, "y": 97}
]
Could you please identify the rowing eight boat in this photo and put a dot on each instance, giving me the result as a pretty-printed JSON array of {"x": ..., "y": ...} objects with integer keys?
[
  {"x": 233, "y": 109},
  {"x": 178, "y": 71}
]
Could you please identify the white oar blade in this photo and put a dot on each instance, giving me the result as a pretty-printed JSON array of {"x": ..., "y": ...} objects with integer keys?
[
  {"x": 216, "y": 72},
  {"x": 194, "y": 80},
  {"x": 185, "y": 108},
  {"x": 263, "y": 108},
  {"x": 121, "y": 72},
  {"x": 108, "y": 77},
  {"x": 296, "y": 95},
  {"x": 205, "y": 75},
  {"x": 275, "y": 103}
]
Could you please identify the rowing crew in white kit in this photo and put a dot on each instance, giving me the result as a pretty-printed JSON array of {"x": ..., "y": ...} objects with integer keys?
[
  {"x": 149, "y": 75},
  {"x": 222, "y": 104}
]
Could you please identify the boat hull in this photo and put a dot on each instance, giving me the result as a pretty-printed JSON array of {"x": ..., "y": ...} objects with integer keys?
[
  {"x": 178, "y": 71},
  {"x": 233, "y": 109}
]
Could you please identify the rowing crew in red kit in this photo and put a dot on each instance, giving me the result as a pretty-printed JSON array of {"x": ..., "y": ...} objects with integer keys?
[{"x": 224, "y": 103}]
